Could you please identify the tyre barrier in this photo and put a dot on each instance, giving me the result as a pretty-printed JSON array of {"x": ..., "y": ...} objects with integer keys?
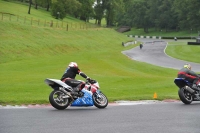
[
  {"x": 193, "y": 43},
  {"x": 148, "y": 37}
]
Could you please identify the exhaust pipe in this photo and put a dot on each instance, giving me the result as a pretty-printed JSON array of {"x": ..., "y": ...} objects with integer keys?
[
  {"x": 190, "y": 90},
  {"x": 67, "y": 93}
]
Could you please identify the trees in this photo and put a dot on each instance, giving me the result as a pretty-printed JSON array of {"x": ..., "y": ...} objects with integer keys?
[
  {"x": 136, "y": 14},
  {"x": 188, "y": 13},
  {"x": 29, "y": 9},
  {"x": 166, "y": 18},
  {"x": 86, "y": 11},
  {"x": 98, "y": 11},
  {"x": 58, "y": 10},
  {"x": 193, "y": 13},
  {"x": 160, "y": 14},
  {"x": 42, "y": 3},
  {"x": 112, "y": 8},
  {"x": 71, "y": 7},
  {"x": 78, "y": 8}
]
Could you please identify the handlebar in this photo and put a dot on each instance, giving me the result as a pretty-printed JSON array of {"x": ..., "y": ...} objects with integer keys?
[{"x": 91, "y": 81}]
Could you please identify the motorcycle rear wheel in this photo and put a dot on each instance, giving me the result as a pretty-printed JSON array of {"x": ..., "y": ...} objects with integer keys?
[
  {"x": 185, "y": 96},
  {"x": 100, "y": 100},
  {"x": 57, "y": 101}
]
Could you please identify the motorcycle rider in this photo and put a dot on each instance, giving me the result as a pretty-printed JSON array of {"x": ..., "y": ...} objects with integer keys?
[
  {"x": 70, "y": 74},
  {"x": 189, "y": 75}
]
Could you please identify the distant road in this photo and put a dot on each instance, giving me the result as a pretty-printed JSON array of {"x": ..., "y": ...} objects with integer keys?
[{"x": 153, "y": 52}]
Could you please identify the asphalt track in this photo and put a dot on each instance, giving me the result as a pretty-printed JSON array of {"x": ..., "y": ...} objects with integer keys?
[
  {"x": 155, "y": 117},
  {"x": 153, "y": 53}
]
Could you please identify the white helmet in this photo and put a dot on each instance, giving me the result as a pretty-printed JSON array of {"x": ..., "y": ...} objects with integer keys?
[{"x": 73, "y": 64}]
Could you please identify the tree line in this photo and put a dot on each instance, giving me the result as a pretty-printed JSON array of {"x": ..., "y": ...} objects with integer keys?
[{"x": 159, "y": 14}]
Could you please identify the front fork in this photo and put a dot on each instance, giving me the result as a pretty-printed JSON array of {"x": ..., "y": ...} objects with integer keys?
[{"x": 98, "y": 97}]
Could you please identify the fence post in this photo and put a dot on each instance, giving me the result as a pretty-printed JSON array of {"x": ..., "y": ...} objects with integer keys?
[{"x": 51, "y": 24}]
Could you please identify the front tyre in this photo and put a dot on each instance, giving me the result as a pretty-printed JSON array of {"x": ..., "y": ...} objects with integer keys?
[
  {"x": 58, "y": 100},
  {"x": 100, "y": 100},
  {"x": 185, "y": 96}
]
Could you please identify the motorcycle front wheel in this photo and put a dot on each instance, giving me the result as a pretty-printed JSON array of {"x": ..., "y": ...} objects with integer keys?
[
  {"x": 100, "y": 100},
  {"x": 58, "y": 100},
  {"x": 185, "y": 96}
]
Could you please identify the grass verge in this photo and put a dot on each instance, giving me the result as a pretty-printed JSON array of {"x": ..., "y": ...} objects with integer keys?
[{"x": 29, "y": 54}]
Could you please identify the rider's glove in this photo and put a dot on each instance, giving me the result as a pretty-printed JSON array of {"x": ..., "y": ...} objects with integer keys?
[{"x": 88, "y": 78}]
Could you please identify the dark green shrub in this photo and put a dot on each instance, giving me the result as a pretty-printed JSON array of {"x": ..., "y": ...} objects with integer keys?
[{"x": 58, "y": 10}]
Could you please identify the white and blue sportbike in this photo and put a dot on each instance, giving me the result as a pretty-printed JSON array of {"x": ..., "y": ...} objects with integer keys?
[{"x": 62, "y": 95}]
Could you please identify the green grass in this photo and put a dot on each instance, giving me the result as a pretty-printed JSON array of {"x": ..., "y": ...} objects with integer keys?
[
  {"x": 29, "y": 54},
  {"x": 103, "y": 22},
  {"x": 18, "y": 9},
  {"x": 181, "y": 50},
  {"x": 18, "y": 13}
]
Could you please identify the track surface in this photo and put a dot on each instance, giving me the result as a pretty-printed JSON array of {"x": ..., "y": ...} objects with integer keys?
[
  {"x": 158, "y": 117},
  {"x": 153, "y": 52}
]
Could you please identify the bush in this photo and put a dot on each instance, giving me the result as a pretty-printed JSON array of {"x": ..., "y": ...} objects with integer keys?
[{"x": 58, "y": 10}]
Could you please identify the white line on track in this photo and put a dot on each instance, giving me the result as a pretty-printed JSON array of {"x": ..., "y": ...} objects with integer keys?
[
  {"x": 12, "y": 107},
  {"x": 116, "y": 103}
]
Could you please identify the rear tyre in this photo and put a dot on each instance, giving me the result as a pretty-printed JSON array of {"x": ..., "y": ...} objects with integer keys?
[
  {"x": 185, "y": 96},
  {"x": 57, "y": 100},
  {"x": 100, "y": 100}
]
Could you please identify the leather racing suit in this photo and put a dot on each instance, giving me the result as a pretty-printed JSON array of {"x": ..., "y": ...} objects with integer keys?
[
  {"x": 189, "y": 75},
  {"x": 69, "y": 78}
]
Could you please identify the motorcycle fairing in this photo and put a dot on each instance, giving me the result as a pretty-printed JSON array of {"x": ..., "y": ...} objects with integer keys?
[
  {"x": 86, "y": 100},
  {"x": 180, "y": 82},
  {"x": 52, "y": 82}
]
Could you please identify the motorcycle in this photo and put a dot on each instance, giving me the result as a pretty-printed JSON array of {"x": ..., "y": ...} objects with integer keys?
[
  {"x": 63, "y": 95},
  {"x": 186, "y": 93}
]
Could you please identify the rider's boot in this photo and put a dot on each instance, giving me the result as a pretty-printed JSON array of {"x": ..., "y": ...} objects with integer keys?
[{"x": 77, "y": 91}]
